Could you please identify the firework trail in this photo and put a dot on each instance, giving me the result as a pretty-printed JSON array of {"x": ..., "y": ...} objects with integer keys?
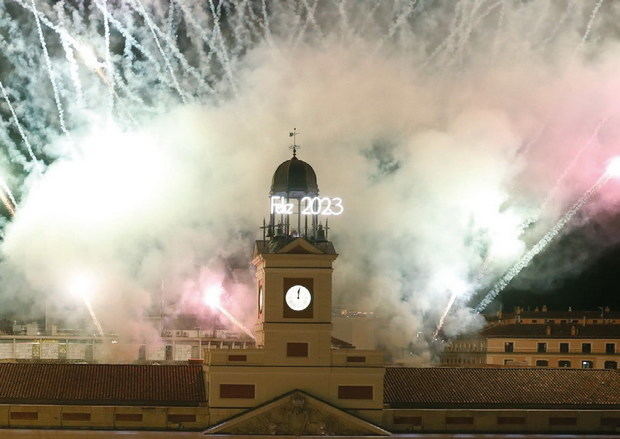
[
  {"x": 108, "y": 56},
  {"x": 50, "y": 72},
  {"x": 565, "y": 173},
  {"x": 586, "y": 34},
  {"x": 442, "y": 319},
  {"x": 540, "y": 245},
  {"x": 151, "y": 25},
  {"x": 17, "y": 124},
  {"x": 93, "y": 316},
  {"x": 234, "y": 320},
  {"x": 7, "y": 203}
]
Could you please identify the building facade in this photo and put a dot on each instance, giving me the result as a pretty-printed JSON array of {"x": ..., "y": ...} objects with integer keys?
[
  {"x": 295, "y": 379},
  {"x": 578, "y": 340}
]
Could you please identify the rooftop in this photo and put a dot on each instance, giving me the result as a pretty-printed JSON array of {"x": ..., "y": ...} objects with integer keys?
[
  {"x": 562, "y": 330},
  {"x": 549, "y": 314},
  {"x": 471, "y": 388},
  {"x": 276, "y": 244},
  {"x": 101, "y": 384}
]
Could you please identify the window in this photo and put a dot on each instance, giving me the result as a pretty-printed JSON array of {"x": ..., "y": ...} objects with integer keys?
[
  {"x": 594, "y": 321},
  {"x": 178, "y": 418},
  {"x": 612, "y": 422},
  {"x": 409, "y": 420},
  {"x": 510, "y": 420},
  {"x": 297, "y": 349},
  {"x": 508, "y": 362},
  {"x": 541, "y": 347},
  {"x": 128, "y": 417},
  {"x": 168, "y": 354},
  {"x": 542, "y": 363},
  {"x": 356, "y": 359},
  {"x": 460, "y": 420},
  {"x": 237, "y": 391},
  {"x": 562, "y": 421},
  {"x": 534, "y": 321},
  {"x": 509, "y": 346},
  {"x": 587, "y": 364},
  {"x": 563, "y": 363},
  {"x": 562, "y": 321},
  {"x": 76, "y": 416},
  {"x": 355, "y": 392},
  {"x": 610, "y": 348},
  {"x": 586, "y": 348},
  {"x": 25, "y": 416},
  {"x": 611, "y": 364},
  {"x": 237, "y": 358},
  {"x": 564, "y": 347}
]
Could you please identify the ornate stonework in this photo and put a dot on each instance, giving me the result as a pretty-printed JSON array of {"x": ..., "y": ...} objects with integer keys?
[{"x": 299, "y": 414}]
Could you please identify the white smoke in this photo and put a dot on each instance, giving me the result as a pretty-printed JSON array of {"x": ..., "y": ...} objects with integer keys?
[{"x": 440, "y": 147}]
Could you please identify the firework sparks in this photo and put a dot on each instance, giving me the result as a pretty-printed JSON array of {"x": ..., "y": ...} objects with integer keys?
[
  {"x": 212, "y": 298},
  {"x": 81, "y": 286},
  {"x": 613, "y": 170}
]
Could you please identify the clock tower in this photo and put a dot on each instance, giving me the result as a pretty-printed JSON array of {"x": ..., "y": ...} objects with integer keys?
[
  {"x": 295, "y": 351},
  {"x": 293, "y": 265}
]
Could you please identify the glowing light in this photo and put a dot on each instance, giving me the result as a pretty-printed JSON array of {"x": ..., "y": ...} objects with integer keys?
[
  {"x": 87, "y": 54},
  {"x": 236, "y": 322},
  {"x": 308, "y": 206},
  {"x": 212, "y": 296},
  {"x": 613, "y": 168},
  {"x": 82, "y": 285},
  {"x": 542, "y": 244}
]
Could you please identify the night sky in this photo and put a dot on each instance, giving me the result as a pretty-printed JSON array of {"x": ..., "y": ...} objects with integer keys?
[{"x": 580, "y": 269}]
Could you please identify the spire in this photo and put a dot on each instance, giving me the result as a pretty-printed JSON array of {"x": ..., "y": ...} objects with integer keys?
[{"x": 294, "y": 146}]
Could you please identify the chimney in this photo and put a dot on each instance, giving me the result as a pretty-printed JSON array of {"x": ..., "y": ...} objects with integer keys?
[
  {"x": 548, "y": 330},
  {"x": 544, "y": 308}
]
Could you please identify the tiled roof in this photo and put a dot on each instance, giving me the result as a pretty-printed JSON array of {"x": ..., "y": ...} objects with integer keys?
[
  {"x": 502, "y": 388},
  {"x": 555, "y": 331},
  {"x": 101, "y": 384}
]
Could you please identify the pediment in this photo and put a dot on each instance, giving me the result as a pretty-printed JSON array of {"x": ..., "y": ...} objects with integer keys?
[
  {"x": 300, "y": 246},
  {"x": 296, "y": 413}
]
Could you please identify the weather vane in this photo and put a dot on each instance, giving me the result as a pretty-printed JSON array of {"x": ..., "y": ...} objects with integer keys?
[{"x": 294, "y": 146}]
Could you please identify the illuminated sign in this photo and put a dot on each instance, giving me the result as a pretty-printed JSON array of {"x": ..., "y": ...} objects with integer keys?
[{"x": 309, "y": 206}]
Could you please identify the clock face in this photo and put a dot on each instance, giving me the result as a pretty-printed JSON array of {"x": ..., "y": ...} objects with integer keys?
[
  {"x": 260, "y": 298},
  {"x": 298, "y": 297}
]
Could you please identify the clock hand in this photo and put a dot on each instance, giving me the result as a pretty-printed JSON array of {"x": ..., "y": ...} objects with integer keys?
[{"x": 298, "y": 293}]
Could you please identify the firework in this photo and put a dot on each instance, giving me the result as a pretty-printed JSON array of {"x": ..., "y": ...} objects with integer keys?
[
  {"x": 81, "y": 286},
  {"x": 613, "y": 169},
  {"x": 212, "y": 298}
]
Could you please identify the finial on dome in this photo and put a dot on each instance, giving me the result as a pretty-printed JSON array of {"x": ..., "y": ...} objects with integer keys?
[{"x": 294, "y": 146}]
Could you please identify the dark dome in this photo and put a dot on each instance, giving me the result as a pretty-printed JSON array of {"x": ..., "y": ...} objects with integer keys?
[{"x": 294, "y": 179}]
